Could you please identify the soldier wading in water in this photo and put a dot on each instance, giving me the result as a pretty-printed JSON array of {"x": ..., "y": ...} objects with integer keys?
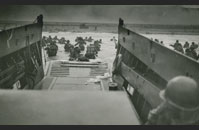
[{"x": 180, "y": 104}]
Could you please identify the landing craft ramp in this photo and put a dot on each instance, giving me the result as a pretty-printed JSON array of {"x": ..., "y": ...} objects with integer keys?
[{"x": 66, "y": 108}]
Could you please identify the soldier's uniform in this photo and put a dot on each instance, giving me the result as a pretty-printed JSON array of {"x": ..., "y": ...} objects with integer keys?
[
  {"x": 178, "y": 47},
  {"x": 193, "y": 46},
  {"x": 180, "y": 104},
  {"x": 186, "y": 45},
  {"x": 191, "y": 52}
]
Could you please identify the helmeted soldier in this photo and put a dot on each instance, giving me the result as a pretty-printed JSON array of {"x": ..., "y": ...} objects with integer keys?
[
  {"x": 180, "y": 104},
  {"x": 186, "y": 45},
  {"x": 176, "y": 44},
  {"x": 86, "y": 39},
  {"x": 191, "y": 52},
  {"x": 178, "y": 47},
  {"x": 81, "y": 46},
  {"x": 90, "y": 39},
  {"x": 52, "y": 49},
  {"x": 72, "y": 53},
  {"x": 97, "y": 45},
  {"x": 67, "y": 46},
  {"x": 77, "y": 52},
  {"x": 80, "y": 42},
  {"x": 91, "y": 52},
  {"x": 156, "y": 40},
  {"x": 100, "y": 40},
  {"x": 44, "y": 41},
  {"x": 193, "y": 46},
  {"x": 196, "y": 46}
]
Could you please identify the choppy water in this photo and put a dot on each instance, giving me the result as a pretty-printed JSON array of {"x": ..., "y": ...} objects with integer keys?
[{"x": 108, "y": 51}]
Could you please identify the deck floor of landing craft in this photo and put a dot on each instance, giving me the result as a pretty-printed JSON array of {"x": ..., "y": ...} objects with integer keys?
[
  {"x": 75, "y": 76},
  {"x": 95, "y": 105}
]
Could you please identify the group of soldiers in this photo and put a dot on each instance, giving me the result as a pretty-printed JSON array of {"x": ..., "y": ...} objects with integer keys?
[
  {"x": 55, "y": 39},
  {"x": 75, "y": 50},
  {"x": 88, "y": 39},
  {"x": 156, "y": 40},
  {"x": 187, "y": 49},
  {"x": 92, "y": 49}
]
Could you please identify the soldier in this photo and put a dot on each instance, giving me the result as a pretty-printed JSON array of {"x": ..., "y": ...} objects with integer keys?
[
  {"x": 67, "y": 46},
  {"x": 62, "y": 40},
  {"x": 72, "y": 54},
  {"x": 52, "y": 49},
  {"x": 191, "y": 52},
  {"x": 186, "y": 45},
  {"x": 100, "y": 40},
  {"x": 114, "y": 39},
  {"x": 81, "y": 43},
  {"x": 193, "y": 46},
  {"x": 188, "y": 52},
  {"x": 194, "y": 54},
  {"x": 180, "y": 104},
  {"x": 55, "y": 38},
  {"x": 175, "y": 44},
  {"x": 77, "y": 52},
  {"x": 161, "y": 42},
  {"x": 49, "y": 39},
  {"x": 97, "y": 45},
  {"x": 156, "y": 40},
  {"x": 90, "y": 39},
  {"x": 81, "y": 46},
  {"x": 91, "y": 52},
  {"x": 86, "y": 39},
  {"x": 178, "y": 47},
  {"x": 44, "y": 40}
]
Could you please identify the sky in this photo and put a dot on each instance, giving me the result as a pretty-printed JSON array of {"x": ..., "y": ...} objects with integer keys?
[{"x": 139, "y": 14}]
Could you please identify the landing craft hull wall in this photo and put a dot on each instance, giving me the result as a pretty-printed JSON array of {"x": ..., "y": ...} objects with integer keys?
[
  {"x": 14, "y": 39},
  {"x": 146, "y": 67},
  {"x": 167, "y": 63},
  {"x": 20, "y": 56},
  {"x": 148, "y": 90}
]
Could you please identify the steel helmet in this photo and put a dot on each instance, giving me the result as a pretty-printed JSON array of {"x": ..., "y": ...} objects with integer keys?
[{"x": 182, "y": 92}]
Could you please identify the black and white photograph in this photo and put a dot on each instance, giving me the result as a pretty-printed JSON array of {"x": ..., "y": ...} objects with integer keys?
[{"x": 99, "y": 64}]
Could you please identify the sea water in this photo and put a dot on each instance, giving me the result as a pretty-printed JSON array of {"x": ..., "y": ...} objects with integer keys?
[{"x": 108, "y": 51}]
